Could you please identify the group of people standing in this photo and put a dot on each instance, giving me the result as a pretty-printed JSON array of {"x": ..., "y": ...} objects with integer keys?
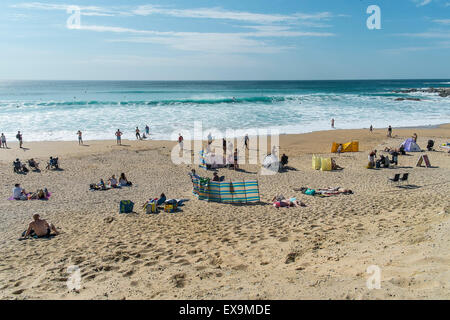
[
  {"x": 3, "y": 140},
  {"x": 119, "y": 134}
]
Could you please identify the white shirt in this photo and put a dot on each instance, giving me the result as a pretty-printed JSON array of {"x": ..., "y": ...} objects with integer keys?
[{"x": 17, "y": 192}]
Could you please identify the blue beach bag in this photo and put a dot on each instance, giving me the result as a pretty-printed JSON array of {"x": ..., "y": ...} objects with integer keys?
[{"x": 126, "y": 206}]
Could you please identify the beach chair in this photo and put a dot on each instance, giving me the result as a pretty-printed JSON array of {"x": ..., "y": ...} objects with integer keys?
[
  {"x": 404, "y": 178},
  {"x": 396, "y": 178}
]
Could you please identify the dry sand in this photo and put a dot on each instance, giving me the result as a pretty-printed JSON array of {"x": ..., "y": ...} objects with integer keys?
[{"x": 220, "y": 251}]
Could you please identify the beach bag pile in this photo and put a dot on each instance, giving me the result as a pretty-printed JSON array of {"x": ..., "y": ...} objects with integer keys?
[{"x": 151, "y": 207}]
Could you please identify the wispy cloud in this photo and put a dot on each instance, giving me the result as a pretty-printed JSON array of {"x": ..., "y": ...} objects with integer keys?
[
  {"x": 421, "y": 3},
  {"x": 428, "y": 35},
  {"x": 442, "y": 21},
  {"x": 240, "y": 42},
  {"x": 219, "y": 13},
  {"x": 259, "y": 36},
  {"x": 85, "y": 10}
]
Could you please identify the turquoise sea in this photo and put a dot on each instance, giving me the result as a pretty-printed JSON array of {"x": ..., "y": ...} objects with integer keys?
[{"x": 55, "y": 110}]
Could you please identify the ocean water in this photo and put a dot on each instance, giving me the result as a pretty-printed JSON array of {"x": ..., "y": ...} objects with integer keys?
[{"x": 56, "y": 110}]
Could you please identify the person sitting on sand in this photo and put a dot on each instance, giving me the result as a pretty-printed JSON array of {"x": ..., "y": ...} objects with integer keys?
[
  {"x": 33, "y": 164},
  {"x": 17, "y": 166},
  {"x": 53, "y": 163},
  {"x": 335, "y": 166},
  {"x": 113, "y": 182},
  {"x": 217, "y": 178},
  {"x": 40, "y": 228},
  {"x": 19, "y": 193},
  {"x": 193, "y": 175},
  {"x": 284, "y": 160},
  {"x": 102, "y": 185},
  {"x": 123, "y": 181}
]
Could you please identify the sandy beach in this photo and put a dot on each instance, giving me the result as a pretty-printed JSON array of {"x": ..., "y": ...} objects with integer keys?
[{"x": 222, "y": 251}]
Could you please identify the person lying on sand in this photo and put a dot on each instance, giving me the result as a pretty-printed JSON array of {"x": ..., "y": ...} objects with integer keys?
[
  {"x": 40, "y": 194},
  {"x": 280, "y": 201},
  {"x": 40, "y": 228}
]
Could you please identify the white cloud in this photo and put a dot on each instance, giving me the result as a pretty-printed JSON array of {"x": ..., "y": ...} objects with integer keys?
[
  {"x": 241, "y": 42},
  {"x": 429, "y": 35},
  {"x": 85, "y": 10},
  {"x": 219, "y": 13},
  {"x": 421, "y": 3},
  {"x": 442, "y": 21}
]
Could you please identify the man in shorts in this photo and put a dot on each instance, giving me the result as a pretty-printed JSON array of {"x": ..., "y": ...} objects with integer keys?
[
  {"x": 119, "y": 137},
  {"x": 40, "y": 228}
]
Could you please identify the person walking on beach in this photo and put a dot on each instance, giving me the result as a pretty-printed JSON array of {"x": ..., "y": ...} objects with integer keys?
[
  {"x": 19, "y": 137},
  {"x": 371, "y": 128},
  {"x": 246, "y": 141},
  {"x": 138, "y": 134},
  {"x": 209, "y": 138},
  {"x": 3, "y": 142},
  {"x": 332, "y": 123},
  {"x": 80, "y": 137},
  {"x": 119, "y": 137},
  {"x": 147, "y": 130},
  {"x": 389, "y": 132},
  {"x": 180, "y": 141},
  {"x": 224, "y": 146}
]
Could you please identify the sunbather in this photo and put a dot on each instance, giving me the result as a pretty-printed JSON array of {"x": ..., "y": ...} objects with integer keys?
[
  {"x": 33, "y": 164},
  {"x": 335, "y": 166},
  {"x": 123, "y": 181},
  {"x": 40, "y": 228},
  {"x": 53, "y": 163},
  {"x": 113, "y": 182},
  {"x": 281, "y": 201},
  {"x": 19, "y": 193},
  {"x": 17, "y": 166},
  {"x": 40, "y": 194}
]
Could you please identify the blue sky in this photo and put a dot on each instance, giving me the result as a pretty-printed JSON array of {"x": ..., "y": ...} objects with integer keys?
[{"x": 224, "y": 40}]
